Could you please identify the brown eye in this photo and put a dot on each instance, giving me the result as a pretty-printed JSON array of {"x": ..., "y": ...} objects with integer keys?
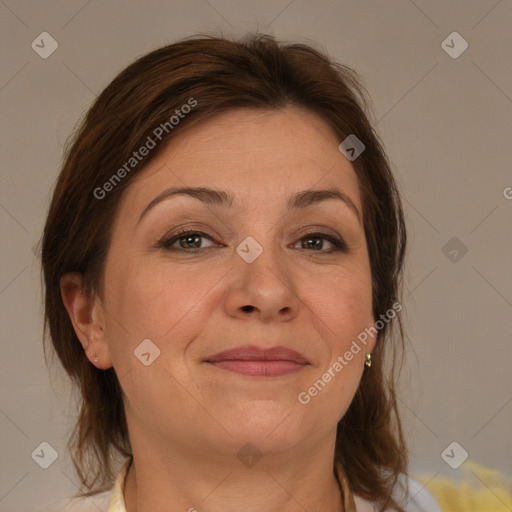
[
  {"x": 186, "y": 240},
  {"x": 316, "y": 241},
  {"x": 190, "y": 241}
]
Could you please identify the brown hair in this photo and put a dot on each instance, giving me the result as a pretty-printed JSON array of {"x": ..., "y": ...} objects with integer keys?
[{"x": 219, "y": 75}]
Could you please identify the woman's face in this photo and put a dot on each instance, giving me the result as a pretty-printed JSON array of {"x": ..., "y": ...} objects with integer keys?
[{"x": 269, "y": 267}]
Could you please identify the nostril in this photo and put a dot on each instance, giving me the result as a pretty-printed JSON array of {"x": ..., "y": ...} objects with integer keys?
[{"x": 247, "y": 309}]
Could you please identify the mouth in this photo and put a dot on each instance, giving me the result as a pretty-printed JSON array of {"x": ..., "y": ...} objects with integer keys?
[{"x": 257, "y": 362}]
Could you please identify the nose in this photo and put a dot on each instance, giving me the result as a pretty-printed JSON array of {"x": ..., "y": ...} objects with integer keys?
[{"x": 264, "y": 289}]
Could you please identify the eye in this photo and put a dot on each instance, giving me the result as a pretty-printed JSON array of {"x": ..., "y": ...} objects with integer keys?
[
  {"x": 189, "y": 240},
  {"x": 315, "y": 241},
  {"x": 186, "y": 240}
]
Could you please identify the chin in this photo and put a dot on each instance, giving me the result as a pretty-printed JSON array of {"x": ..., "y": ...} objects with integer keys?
[{"x": 272, "y": 428}]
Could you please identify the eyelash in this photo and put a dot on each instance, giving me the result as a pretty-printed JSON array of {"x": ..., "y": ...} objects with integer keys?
[{"x": 167, "y": 242}]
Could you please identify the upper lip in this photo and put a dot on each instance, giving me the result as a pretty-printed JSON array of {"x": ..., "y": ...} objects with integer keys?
[{"x": 255, "y": 353}]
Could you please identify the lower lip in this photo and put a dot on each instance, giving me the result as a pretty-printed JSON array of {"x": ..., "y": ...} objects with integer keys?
[{"x": 259, "y": 368}]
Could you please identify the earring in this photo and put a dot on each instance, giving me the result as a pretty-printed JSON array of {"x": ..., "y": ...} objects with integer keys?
[
  {"x": 368, "y": 361},
  {"x": 95, "y": 357}
]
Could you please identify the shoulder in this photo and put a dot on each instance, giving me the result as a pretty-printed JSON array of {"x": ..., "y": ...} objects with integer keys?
[
  {"x": 108, "y": 501},
  {"x": 414, "y": 496},
  {"x": 419, "y": 499}
]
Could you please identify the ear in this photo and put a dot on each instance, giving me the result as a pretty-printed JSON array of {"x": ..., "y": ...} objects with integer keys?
[{"x": 88, "y": 319}]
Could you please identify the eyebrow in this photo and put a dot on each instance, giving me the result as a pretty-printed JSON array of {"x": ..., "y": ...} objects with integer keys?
[{"x": 302, "y": 199}]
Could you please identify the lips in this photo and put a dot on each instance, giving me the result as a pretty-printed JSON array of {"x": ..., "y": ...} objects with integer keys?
[{"x": 258, "y": 362}]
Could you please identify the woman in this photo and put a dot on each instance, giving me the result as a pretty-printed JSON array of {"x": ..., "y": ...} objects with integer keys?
[{"x": 222, "y": 262}]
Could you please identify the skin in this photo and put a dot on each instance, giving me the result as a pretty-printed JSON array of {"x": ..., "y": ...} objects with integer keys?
[{"x": 187, "y": 419}]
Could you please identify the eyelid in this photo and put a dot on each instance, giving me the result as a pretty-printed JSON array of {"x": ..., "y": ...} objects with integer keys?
[
  {"x": 206, "y": 231},
  {"x": 309, "y": 230}
]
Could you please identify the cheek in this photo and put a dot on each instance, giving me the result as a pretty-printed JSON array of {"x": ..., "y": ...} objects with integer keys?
[
  {"x": 344, "y": 306},
  {"x": 163, "y": 303},
  {"x": 343, "y": 303}
]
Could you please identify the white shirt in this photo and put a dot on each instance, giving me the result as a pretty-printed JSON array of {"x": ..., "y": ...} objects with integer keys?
[{"x": 419, "y": 499}]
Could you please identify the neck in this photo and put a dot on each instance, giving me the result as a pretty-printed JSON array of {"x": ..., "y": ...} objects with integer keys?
[{"x": 199, "y": 482}]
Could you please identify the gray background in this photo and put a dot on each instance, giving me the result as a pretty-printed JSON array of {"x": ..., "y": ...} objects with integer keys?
[{"x": 447, "y": 126}]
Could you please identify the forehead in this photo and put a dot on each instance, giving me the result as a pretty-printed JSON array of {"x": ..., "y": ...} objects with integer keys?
[{"x": 260, "y": 154}]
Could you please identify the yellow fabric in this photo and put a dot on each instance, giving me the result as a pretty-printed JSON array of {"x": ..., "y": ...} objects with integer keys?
[{"x": 481, "y": 489}]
